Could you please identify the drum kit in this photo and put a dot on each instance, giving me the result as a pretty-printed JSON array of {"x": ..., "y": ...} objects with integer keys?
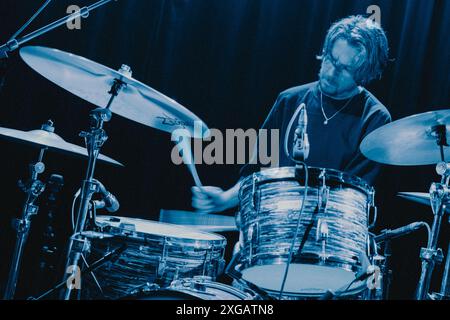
[{"x": 326, "y": 214}]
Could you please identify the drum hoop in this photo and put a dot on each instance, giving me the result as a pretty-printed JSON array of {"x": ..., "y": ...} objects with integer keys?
[
  {"x": 330, "y": 175},
  {"x": 214, "y": 285},
  {"x": 316, "y": 261},
  {"x": 145, "y": 239},
  {"x": 139, "y": 236},
  {"x": 240, "y": 267}
]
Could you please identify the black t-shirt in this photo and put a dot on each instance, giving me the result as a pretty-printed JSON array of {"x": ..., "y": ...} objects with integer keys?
[{"x": 336, "y": 144}]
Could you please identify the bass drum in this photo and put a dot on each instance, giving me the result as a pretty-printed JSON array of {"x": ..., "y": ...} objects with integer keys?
[
  {"x": 198, "y": 288},
  {"x": 332, "y": 238}
]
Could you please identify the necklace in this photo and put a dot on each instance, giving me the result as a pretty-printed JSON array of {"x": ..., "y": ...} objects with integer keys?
[{"x": 327, "y": 119}]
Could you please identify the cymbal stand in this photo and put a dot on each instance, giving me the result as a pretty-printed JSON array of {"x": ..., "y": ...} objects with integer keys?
[
  {"x": 94, "y": 140},
  {"x": 33, "y": 189},
  {"x": 445, "y": 285},
  {"x": 439, "y": 196}
]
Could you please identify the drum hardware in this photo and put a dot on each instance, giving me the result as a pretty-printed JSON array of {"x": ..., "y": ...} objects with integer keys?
[
  {"x": 431, "y": 255},
  {"x": 426, "y": 134},
  {"x": 322, "y": 236},
  {"x": 46, "y": 140},
  {"x": 14, "y": 43},
  {"x": 94, "y": 141},
  {"x": 333, "y": 295},
  {"x": 383, "y": 262},
  {"x": 33, "y": 189},
  {"x": 108, "y": 257},
  {"x": 50, "y": 246},
  {"x": 445, "y": 285}
]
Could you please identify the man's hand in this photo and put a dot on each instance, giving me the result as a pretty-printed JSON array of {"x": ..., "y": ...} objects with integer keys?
[{"x": 209, "y": 199}]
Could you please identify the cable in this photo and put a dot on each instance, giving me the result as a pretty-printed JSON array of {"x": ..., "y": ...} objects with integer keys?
[
  {"x": 426, "y": 225},
  {"x": 288, "y": 131},
  {"x": 291, "y": 250},
  {"x": 305, "y": 167},
  {"x": 75, "y": 197}
]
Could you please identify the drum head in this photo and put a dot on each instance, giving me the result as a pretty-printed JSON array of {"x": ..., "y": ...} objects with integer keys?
[
  {"x": 156, "y": 228},
  {"x": 302, "y": 278}
]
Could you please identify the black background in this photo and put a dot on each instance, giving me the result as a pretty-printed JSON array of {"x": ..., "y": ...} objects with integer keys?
[{"x": 226, "y": 61}]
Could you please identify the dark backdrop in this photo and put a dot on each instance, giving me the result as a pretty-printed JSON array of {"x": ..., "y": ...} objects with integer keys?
[{"x": 226, "y": 61}]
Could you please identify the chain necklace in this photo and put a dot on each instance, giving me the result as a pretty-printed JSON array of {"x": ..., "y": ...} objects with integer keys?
[{"x": 327, "y": 119}]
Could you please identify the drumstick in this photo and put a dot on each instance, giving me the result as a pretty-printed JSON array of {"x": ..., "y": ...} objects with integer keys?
[{"x": 186, "y": 154}]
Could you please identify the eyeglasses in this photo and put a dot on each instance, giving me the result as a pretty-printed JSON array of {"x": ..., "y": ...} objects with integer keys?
[{"x": 339, "y": 67}]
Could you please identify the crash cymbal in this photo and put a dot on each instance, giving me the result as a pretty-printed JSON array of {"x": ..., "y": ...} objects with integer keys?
[
  {"x": 201, "y": 222},
  {"x": 410, "y": 141},
  {"x": 43, "y": 138},
  {"x": 92, "y": 82}
]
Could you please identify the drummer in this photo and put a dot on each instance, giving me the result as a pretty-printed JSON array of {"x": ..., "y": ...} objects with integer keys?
[{"x": 340, "y": 111}]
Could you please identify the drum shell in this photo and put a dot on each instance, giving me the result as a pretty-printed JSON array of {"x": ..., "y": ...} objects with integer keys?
[
  {"x": 151, "y": 258},
  {"x": 270, "y": 204}
]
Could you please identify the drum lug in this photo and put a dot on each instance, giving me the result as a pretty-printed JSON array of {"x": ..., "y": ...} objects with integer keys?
[
  {"x": 324, "y": 193},
  {"x": 371, "y": 207},
  {"x": 251, "y": 235},
  {"x": 254, "y": 191},
  {"x": 322, "y": 236},
  {"x": 163, "y": 260}
]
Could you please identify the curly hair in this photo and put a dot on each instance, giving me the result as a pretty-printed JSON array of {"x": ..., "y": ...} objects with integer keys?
[{"x": 366, "y": 35}]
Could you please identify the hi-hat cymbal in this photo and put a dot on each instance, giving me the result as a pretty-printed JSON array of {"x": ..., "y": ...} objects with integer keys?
[
  {"x": 43, "y": 138},
  {"x": 195, "y": 220},
  {"x": 92, "y": 82},
  {"x": 410, "y": 141},
  {"x": 418, "y": 197}
]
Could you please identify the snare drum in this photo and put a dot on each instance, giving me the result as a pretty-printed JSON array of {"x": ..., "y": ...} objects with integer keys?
[
  {"x": 156, "y": 253},
  {"x": 334, "y": 226}
]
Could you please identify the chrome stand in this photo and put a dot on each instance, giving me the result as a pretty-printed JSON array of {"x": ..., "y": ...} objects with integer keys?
[
  {"x": 94, "y": 139},
  {"x": 33, "y": 189},
  {"x": 439, "y": 196},
  {"x": 445, "y": 285}
]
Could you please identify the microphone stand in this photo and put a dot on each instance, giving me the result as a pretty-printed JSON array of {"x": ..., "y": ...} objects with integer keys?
[
  {"x": 12, "y": 44},
  {"x": 386, "y": 270},
  {"x": 110, "y": 256}
]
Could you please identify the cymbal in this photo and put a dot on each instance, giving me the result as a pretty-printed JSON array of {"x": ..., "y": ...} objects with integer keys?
[
  {"x": 92, "y": 81},
  {"x": 410, "y": 141},
  {"x": 198, "y": 221},
  {"x": 43, "y": 138},
  {"x": 418, "y": 197}
]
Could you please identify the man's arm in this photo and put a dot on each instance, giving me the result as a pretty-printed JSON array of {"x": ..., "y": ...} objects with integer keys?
[{"x": 213, "y": 199}]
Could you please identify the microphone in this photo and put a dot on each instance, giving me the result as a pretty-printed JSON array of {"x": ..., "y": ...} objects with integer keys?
[
  {"x": 109, "y": 201},
  {"x": 301, "y": 141},
  {"x": 388, "y": 234}
]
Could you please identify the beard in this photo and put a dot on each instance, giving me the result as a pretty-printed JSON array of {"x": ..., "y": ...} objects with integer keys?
[{"x": 334, "y": 89}]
